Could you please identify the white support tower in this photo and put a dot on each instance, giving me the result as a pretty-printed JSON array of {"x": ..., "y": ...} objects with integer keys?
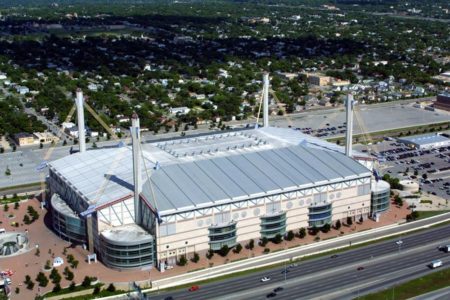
[
  {"x": 266, "y": 99},
  {"x": 137, "y": 180},
  {"x": 79, "y": 100},
  {"x": 349, "y": 102}
]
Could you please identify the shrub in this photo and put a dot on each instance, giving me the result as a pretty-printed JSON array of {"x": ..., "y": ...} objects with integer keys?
[
  {"x": 209, "y": 254},
  {"x": 42, "y": 279},
  {"x": 56, "y": 288},
  {"x": 72, "y": 286},
  {"x": 338, "y": 224},
  {"x": 96, "y": 290},
  {"x": 55, "y": 276},
  {"x": 224, "y": 250},
  {"x": 27, "y": 278},
  {"x": 263, "y": 242},
  {"x": 74, "y": 264},
  {"x": 326, "y": 228},
  {"x": 30, "y": 285},
  {"x": 302, "y": 233},
  {"x": 17, "y": 290},
  {"x": 277, "y": 239},
  {"x": 47, "y": 265},
  {"x": 266, "y": 250},
  {"x": 238, "y": 248},
  {"x": 195, "y": 258},
  {"x": 111, "y": 288},
  {"x": 182, "y": 261},
  {"x": 16, "y": 205},
  {"x": 317, "y": 238},
  {"x": 251, "y": 244},
  {"x": 290, "y": 235},
  {"x": 361, "y": 219},
  {"x": 313, "y": 230},
  {"x": 349, "y": 221},
  {"x": 86, "y": 281}
]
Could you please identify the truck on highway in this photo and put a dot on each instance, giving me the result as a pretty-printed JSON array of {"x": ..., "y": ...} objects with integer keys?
[
  {"x": 446, "y": 248},
  {"x": 436, "y": 264}
]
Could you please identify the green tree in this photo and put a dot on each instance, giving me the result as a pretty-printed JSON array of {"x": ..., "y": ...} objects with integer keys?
[
  {"x": 290, "y": 235},
  {"x": 96, "y": 290},
  {"x": 56, "y": 288},
  {"x": 209, "y": 254},
  {"x": 111, "y": 288},
  {"x": 338, "y": 225},
  {"x": 86, "y": 281},
  {"x": 224, "y": 250},
  {"x": 349, "y": 221},
  {"x": 314, "y": 230},
  {"x": 251, "y": 244},
  {"x": 302, "y": 233},
  {"x": 238, "y": 248},
  {"x": 325, "y": 228},
  {"x": 263, "y": 242},
  {"x": 182, "y": 261},
  {"x": 26, "y": 219},
  {"x": 42, "y": 279},
  {"x": 277, "y": 239},
  {"x": 195, "y": 258}
]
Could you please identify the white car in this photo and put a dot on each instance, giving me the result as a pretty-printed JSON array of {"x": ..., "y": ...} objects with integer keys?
[{"x": 264, "y": 279}]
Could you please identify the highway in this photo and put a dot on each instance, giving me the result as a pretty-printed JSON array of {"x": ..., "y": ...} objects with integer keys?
[{"x": 385, "y": 264}]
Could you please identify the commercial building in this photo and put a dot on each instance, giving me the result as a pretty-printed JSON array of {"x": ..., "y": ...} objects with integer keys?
[
  {"x": 443, "y": 101},
  {"x": 319, "y": 80},
  {"x": 425, "y": 141},
  {"x": 24, "y": 139},
  {"x": 45, "y": 137}
]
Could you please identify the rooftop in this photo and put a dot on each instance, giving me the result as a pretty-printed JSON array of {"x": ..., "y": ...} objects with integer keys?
[
  {"x": 425, "y": 139},
  {"x": 127, "y": 234},
  {"x": 198, "y": 170}
]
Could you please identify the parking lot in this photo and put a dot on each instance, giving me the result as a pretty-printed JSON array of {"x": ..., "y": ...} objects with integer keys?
[{"x": 431, "y": 168}]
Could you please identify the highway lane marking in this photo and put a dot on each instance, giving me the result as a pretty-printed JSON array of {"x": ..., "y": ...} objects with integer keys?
[{"x": 304, "y": 279}]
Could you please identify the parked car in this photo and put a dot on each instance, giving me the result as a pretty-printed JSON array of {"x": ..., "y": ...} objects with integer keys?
[{"x": 194, "y": 288}]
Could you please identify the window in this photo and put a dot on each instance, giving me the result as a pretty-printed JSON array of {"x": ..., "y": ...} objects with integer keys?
[
  {"x": 167, "y": 229},
  {"x": 221, "y": 218},
  {"x": 273, "y": 207},
  {"x": 363, "y": 189}
]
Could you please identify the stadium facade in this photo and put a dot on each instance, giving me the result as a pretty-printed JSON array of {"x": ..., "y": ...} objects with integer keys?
[{"x": 148, "y": 204}]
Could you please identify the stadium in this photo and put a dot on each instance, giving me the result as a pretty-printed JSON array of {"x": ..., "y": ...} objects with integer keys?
[{"x": 149, "y": 203}]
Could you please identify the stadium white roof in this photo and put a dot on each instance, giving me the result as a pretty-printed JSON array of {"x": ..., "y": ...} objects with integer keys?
[{"x": 209, "y": 170}]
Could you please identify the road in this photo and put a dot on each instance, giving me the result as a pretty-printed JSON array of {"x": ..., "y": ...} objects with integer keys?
[{"x": 335, "y": 278}]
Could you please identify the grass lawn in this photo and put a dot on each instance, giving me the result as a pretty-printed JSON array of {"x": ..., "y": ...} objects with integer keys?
[
  {"x": 427, "y": 214},
  {"x": 419, "y": 286}
]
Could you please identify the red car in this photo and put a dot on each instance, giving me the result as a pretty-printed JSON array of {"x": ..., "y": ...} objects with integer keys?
[
  {"x": 194, "y": 288},
  {"x": 360, "y": 268}
]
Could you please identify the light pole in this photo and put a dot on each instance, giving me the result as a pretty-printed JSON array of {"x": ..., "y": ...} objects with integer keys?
[{"x": 285, "y": 272}]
